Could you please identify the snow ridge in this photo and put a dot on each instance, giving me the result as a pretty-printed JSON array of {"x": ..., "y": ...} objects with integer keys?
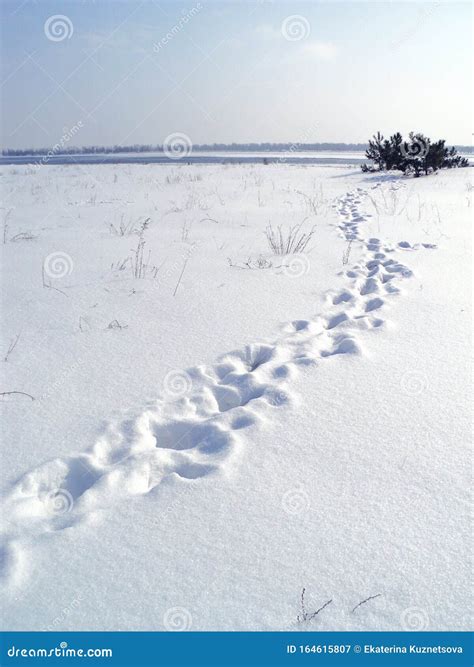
[{"x": 193, "y": 430}]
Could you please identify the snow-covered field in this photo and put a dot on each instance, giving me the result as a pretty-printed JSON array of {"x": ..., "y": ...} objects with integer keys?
[{"x": 231, "y": 427}]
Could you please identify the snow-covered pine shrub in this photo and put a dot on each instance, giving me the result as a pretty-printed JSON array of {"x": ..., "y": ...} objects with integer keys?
[{"x": 417, "y": 155}]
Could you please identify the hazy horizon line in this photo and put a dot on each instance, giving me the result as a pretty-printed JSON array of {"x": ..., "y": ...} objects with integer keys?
[{"x": 294, "y": 146}]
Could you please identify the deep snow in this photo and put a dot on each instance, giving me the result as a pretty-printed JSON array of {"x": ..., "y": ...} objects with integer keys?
[{"x": 199, "y": 450}]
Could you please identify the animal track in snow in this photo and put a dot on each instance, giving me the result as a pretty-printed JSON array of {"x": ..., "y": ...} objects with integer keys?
[{"x": 199, "y": 434}]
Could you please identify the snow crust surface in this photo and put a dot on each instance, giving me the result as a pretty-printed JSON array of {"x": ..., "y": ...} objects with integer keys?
[{"x": 208, "y": 440}]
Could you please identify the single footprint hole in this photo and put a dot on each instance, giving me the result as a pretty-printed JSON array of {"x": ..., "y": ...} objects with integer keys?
[
  {"x": 386, "y": 277},
  {"x": 336, "y": 320},
  {"x": 257, "y": 355},
  {"x": 374, "y": 304},
  {"x": 81, "y": 476},
  {"x": 344, "y": 346},
  {"x": 369, "y": 287},
  {"x": 300, "y": 325},
  {"x": 189, "y": 435},
  {"x": 281, "y": 371},
  {"x": 342, "y": 297},
  {"x": 223, "y": 369},
  {"x": 243, "y": 421},
  {"x": 226, "y": 397},
  {"x": 373, "y": 264},
  {"x": 194, "y": 470}
]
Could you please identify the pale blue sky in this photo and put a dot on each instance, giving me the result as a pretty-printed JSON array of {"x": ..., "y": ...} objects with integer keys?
[{"x": 232, "y": 71}]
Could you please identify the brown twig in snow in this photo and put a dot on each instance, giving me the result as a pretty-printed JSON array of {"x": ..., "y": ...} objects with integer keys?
[
  {"x": 57, "y": 289},
  {"x": 372, "y": 597},
  {"x": 48, "y": 285},
  {"x": 320, "y": 609},
  {"x": 181, "y": 275},
  {"x": 8, "y": 393},
  {"x": 12, "y": 347},
  {"x": 210, "y": 220},
  {"x": 304, "y": 614}
]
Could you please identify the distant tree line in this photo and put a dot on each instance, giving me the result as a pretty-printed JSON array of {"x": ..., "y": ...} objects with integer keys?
[
  {"x": 417, "y": 154},
  {"x": 149, "y": 148},
  {"x": 378, "y": 144}
]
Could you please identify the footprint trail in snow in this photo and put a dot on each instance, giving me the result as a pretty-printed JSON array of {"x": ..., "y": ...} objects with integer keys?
[{"x": 194, "y": 429}]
